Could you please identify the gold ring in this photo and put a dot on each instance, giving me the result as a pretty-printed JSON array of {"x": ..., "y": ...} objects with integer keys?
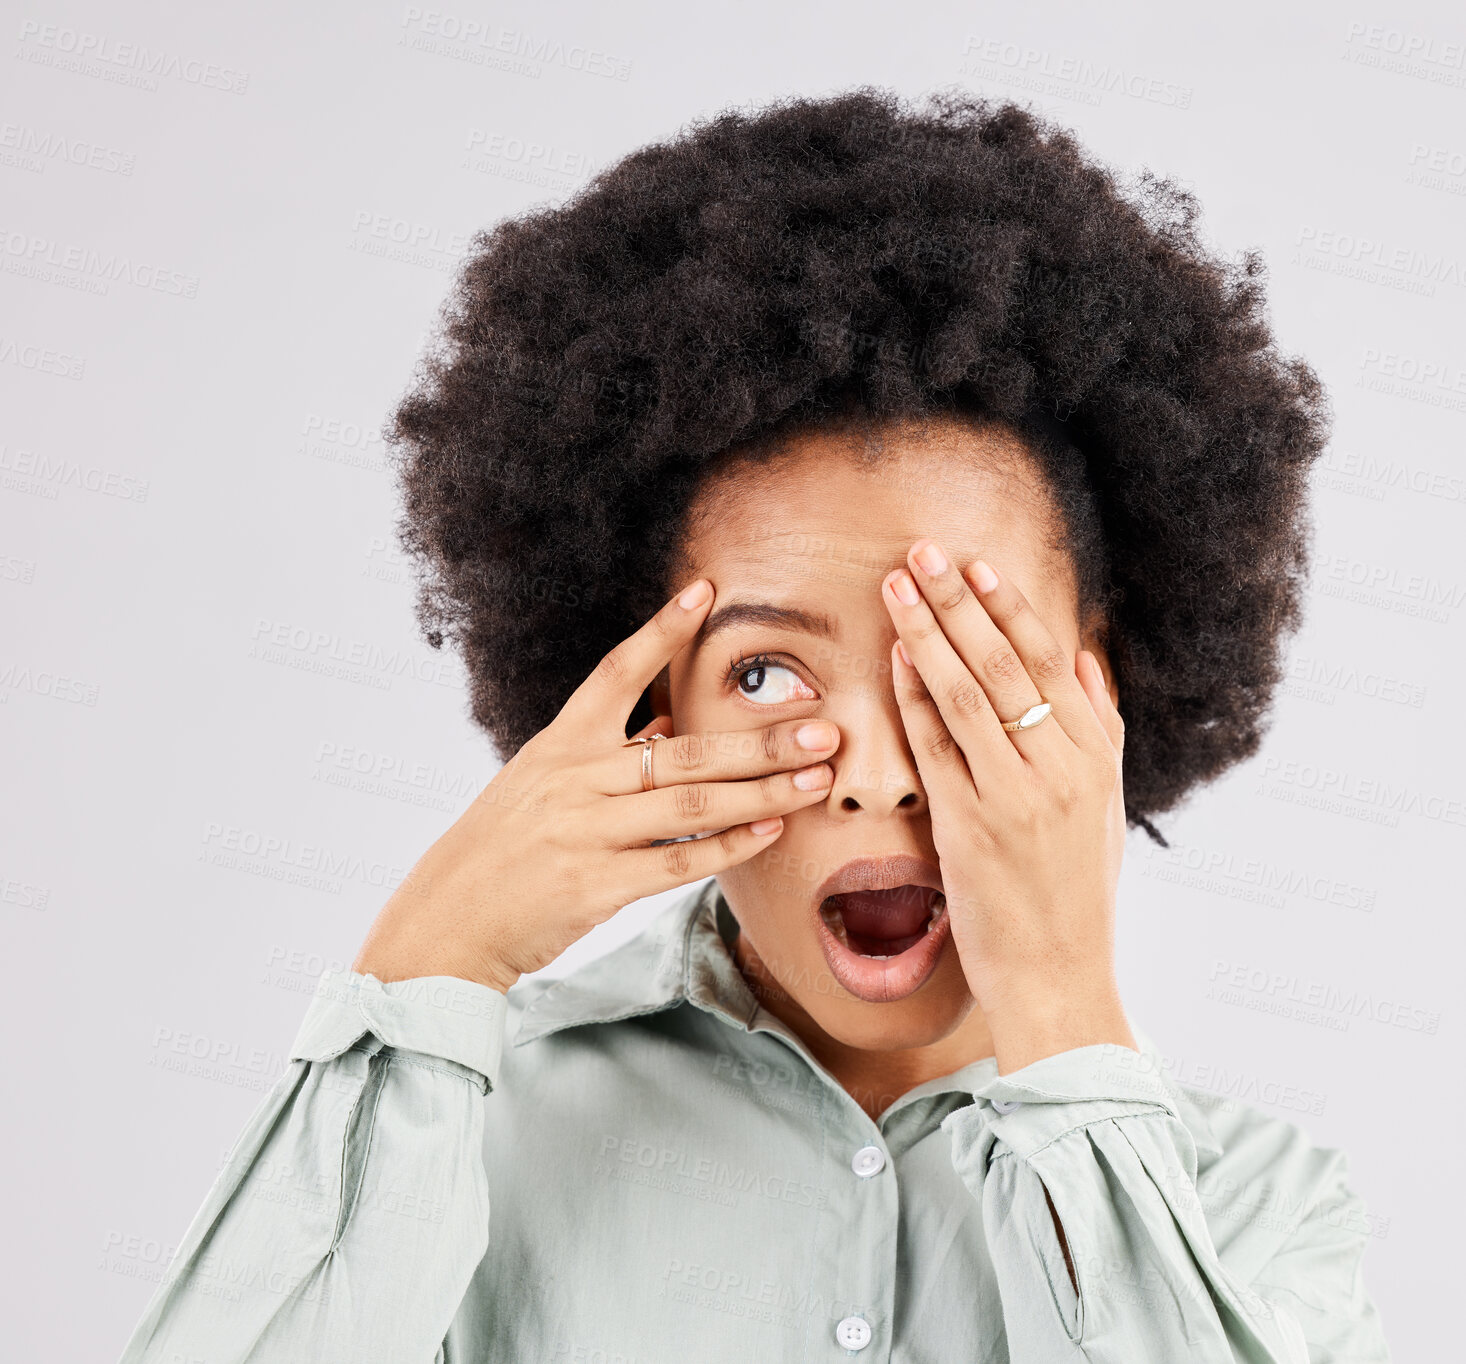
[
  {"x": 646, "y": 757},
  {"x": 1034, "y": 715}
]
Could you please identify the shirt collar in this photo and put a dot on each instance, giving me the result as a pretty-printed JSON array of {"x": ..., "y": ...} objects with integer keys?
[
  {"x": 684, "y": 954},
  {"x": 652, "y": 971}
]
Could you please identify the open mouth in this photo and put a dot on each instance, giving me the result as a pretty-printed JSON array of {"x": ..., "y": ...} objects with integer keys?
[
  {"x": 882, "y": 924},
  {"x": 883, "y": 942}
]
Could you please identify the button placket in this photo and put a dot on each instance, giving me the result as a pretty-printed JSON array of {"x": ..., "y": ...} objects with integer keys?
[{"x": 867, "y": 1241}]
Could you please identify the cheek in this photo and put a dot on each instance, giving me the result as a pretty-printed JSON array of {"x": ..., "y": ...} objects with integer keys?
[
  {"x": 757, "y": 886},
  {"x": 777, "y": 887},
  {"x": 702, "y": 703},
  {"x": 689, "y": 702}
]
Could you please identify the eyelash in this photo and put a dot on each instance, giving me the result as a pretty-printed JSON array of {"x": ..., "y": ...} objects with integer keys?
[{"x": 741, "y": 664}]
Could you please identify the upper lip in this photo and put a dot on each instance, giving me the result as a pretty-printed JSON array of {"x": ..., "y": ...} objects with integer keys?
[{"x": 885, "y": 871}]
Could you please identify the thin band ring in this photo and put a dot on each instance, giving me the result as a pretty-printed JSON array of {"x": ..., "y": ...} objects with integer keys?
[{"x": 646, "y": 758}]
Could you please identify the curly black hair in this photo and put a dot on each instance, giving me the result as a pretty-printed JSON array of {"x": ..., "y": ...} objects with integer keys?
[{"x": 779, "y": 268}]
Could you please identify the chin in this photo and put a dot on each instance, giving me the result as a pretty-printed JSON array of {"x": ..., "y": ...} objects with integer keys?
[{"x": 921, "y": 1019}]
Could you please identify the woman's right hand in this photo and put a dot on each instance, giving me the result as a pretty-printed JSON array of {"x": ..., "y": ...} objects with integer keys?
[{"x": 561, "y": 838}]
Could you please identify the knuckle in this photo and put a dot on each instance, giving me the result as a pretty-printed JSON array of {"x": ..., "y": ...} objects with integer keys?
[
  {"x": 612, "y": 667},
  {"x": 687, "y": 751},
  {"x": 691, "y": 800},
  {"x": 1002, "y": 664},
  {"x": 1028, "y": 819},
  {"x": 664, "y": 631},
  {"x": 967, "y": 699},
  {"x": 1049, "y": 664},
  {"x": 924, "y": 629},
  {"x": 677, "y": 858},
  {"x": 771, "y": 741},
  {"x": 952, "y": 596},
  {"x": 939, "y": 742}
]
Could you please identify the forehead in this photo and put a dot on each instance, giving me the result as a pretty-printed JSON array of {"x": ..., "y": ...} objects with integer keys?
[{"x": 836, "y": 512}]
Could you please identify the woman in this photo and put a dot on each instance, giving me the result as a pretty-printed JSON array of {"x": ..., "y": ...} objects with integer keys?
[{"x": 810, "y": 498}]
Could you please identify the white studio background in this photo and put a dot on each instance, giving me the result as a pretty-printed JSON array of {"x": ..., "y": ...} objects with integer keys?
[{"x": 225, "y": 235}]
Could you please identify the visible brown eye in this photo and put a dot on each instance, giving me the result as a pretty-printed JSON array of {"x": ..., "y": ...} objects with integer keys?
[{"x": 767, "y": 683}]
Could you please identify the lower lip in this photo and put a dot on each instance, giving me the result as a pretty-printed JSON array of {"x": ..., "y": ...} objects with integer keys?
[{"x": 884, "y": 982}]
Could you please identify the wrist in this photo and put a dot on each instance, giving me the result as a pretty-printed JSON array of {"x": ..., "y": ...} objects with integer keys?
[
  {"x": 387, "y": 965},
  {"x": 1046, "y": 1025},
  {"x": 391, "y": 970}
]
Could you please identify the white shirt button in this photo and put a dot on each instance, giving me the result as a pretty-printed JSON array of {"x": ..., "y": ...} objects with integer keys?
[
  {"x": 868, "y": 1161},
  {"x": 853, "y": 1333},
  {"x": 1006, "y": 1105}
]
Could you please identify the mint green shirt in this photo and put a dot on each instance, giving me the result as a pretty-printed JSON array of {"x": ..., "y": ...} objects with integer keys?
[{"x": 655, "y": 1170}]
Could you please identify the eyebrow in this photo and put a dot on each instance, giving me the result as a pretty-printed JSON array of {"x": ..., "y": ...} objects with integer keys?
[{"x": 738, "y": 613}]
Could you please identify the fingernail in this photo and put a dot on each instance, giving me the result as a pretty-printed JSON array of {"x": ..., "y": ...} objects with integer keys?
[
  {"x": 905, "y": 657},
  {"x": 984, "y": 577},
  {"x": 904, "y": 586},
  {"x": 765, "y": 826},
  {"x": 815, "y": 736},
  {"x": 814, "y": 778},
  {"x": 931, "y": 558},
  {"x": 695, "y": 595}
]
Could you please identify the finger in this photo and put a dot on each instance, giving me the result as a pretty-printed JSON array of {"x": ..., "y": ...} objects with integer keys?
[
  {"x": 1042, "y": 656},
  {"x": 959, "y": 697},
  {"x": 714, "y": 756},
  {"x": 699, "y": 807},
  {"x": 1018, "y": 660},
  {"x": 647, "y": 871},
  {"x": 978, "y": 642},
  {"x": 607, "y": 697},
  {"x": 945, "y": 775},
  {"x": 622, "y": 766}
]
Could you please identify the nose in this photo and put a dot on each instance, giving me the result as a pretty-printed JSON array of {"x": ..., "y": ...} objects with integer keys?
[{"x": 875, "y": 770}]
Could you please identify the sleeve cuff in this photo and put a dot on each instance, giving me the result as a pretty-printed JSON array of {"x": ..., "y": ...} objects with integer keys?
[
  {"x": 1105, "y": 1070},
  {"x": 457, "y": 1020},
  {"x": 1035, "y": 1105}
]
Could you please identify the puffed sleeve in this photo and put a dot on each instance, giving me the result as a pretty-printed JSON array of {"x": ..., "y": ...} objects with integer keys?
[
  {"x": 1108, "y": 1146},
  {"x": 353, "y": 1209}
]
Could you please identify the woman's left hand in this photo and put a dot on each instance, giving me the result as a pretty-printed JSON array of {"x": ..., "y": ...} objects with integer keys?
[{"x": 1029, "y": 825}]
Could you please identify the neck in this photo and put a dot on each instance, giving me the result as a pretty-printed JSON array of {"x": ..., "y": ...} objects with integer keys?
[{"x": 874, "y": 1079}]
